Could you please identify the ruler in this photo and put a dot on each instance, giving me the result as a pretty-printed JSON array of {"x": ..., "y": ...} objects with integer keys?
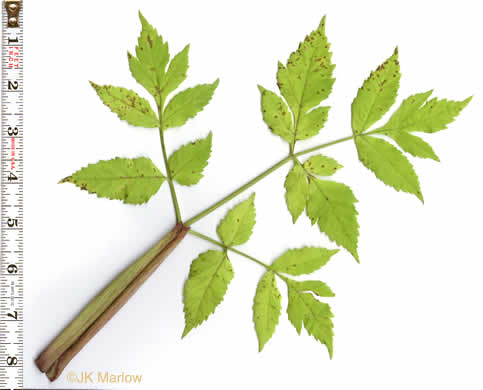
[{"x": 11, "y": 199}]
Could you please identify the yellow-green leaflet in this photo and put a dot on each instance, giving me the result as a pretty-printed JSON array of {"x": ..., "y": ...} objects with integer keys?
[
  {"x": 276, "y": 115},
  {"x": 412, "y": 144},
  {"x": 187, "y": 163},
  {"x": 133, "y": 181},
  {"x": 128, "y": 105},
  {"x": 296, "y": 191},
  {"x": 332, "y": 206},
  {"x": 311, "y": 123},
  {"x": 266, "y": 308},
  {"x": 316, "y": 286},
  {"x": 307, "y": 80},
  {"x": 302, "y": 261},
  {"x": 322, "y": 165},
  {"x": 315, "y": 316},
  {"x": 416, "y": 113},
  {"x": 152, "y": 57},
  {"x": 388, "y": 164},
  {"x": 187, "y": 104},
  {"x": 177, "y": 72},
  {"x": 237, "y": 226},
  {"x": 210, "y": 274},
  {"x": 377, "y": 95}
]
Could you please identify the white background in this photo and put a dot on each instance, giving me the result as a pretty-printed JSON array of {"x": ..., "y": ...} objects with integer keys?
[{"x": 409, "y": 316}]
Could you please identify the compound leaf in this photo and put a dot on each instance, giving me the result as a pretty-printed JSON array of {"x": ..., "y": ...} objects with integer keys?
[
  {"x": 416, "y": 113},
  {"x": 377, "y": 95},
  {"x": 296, "y": 191},
  {"x": 332, "y": 206},
  {"x": 237, "y": 226},
  {"x": 307, "y": 80},
  {"x": 210, "y": 274},
  {"x": 388, "y": 164},
  {"x": 128, "y": 105},
  {"x": 266, "y": 308},
  {"x": 187, "y": 163},
  {"x": 322, "y": 165},
  {"x": 187, "y": 104},
  {"x": 133, "y": 181},
  {"x": 152, "y": 56},
  {"x": 302, "y": 261},
  {"x": 276, "y": 115},
  {"x": 412, "y": 144}
]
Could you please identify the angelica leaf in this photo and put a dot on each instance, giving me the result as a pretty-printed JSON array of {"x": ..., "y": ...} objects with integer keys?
[
  {"x": 307, "y": 80},
  {"x": 128, "y": 105},
  {"x": 276, "y": 115},
  {"x": 187, "y": 163},
  {"x": 237, "y": 226},
  {"x": 133, "y": 181},
  {"x": 311, "y": 123},
  {"x": 412, "y": 144},
  {"x": 316, "y": 286},
  {"x": 209, "y": 276},
  {"x": 296, "y": 191},
  {"x": 332, "y": 206},
  {"x": 388, "y": 164},
  {"x": 377, "y": 94},
  {"x": 187, "y": 104},
  {"x": 152, "y": 56},
  {"x": 322, "y": 165},
  {"x": 176, "y": 73},
  {"x": 266, "y": 308},
  {"x": 302, "y": 261},
  {"x": 416, "y": 113}
]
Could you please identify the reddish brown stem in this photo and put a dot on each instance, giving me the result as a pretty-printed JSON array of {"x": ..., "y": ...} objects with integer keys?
[{"x": 52, "y": 366}]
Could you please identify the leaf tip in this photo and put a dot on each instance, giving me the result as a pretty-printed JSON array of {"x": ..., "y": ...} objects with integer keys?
[
  {"x": 396, "y": 52},
  {"x": 65, "y": 180}
]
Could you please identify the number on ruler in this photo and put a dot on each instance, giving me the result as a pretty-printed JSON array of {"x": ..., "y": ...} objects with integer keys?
[
  {"x": 12, "y": 222},
  {"x": 14, "y": 315},
  {"x": 12, "y": 361},
  {"x": 12, "y": 40},
  {"x": 11, "y": 177},
  {"x": 12, "y": 269},
  {"x": 13, "y": 85},
  {"x": 12, "y": 131}
]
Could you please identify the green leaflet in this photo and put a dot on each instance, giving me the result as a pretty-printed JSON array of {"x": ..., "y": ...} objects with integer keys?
[
  {"x": 152, "y": 57},
  {"x": 316, "y": 286},
  {"x": 416, "y": 113},
  {"x": 187, "y": 163},
  {"x": 187, "y": 104},
  {"x": 177, "y": 72},
  {"x": 316, "y": 317},
  {"x": 377, "y": 95},
  {"x": 388, "y": 164},
  {"x": 237, "y": 226},
  {"x": 276, "y": 115},
  {"x": 296, "y": 191},
  {"x": 302, "y": 261},
  {"x": 133, "y": 181},
  {"x": 322, "y": 165},
  {"x": 311, "y": 123},
  {"x": 307, "y": 80},
  {"x": 210, "y": 274},
  {"x": 332, "y": 206},
  {"x": 412, "y": 144},
  {"x": 266, "y": 308},
  {"x": 128, "y": 105}
]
